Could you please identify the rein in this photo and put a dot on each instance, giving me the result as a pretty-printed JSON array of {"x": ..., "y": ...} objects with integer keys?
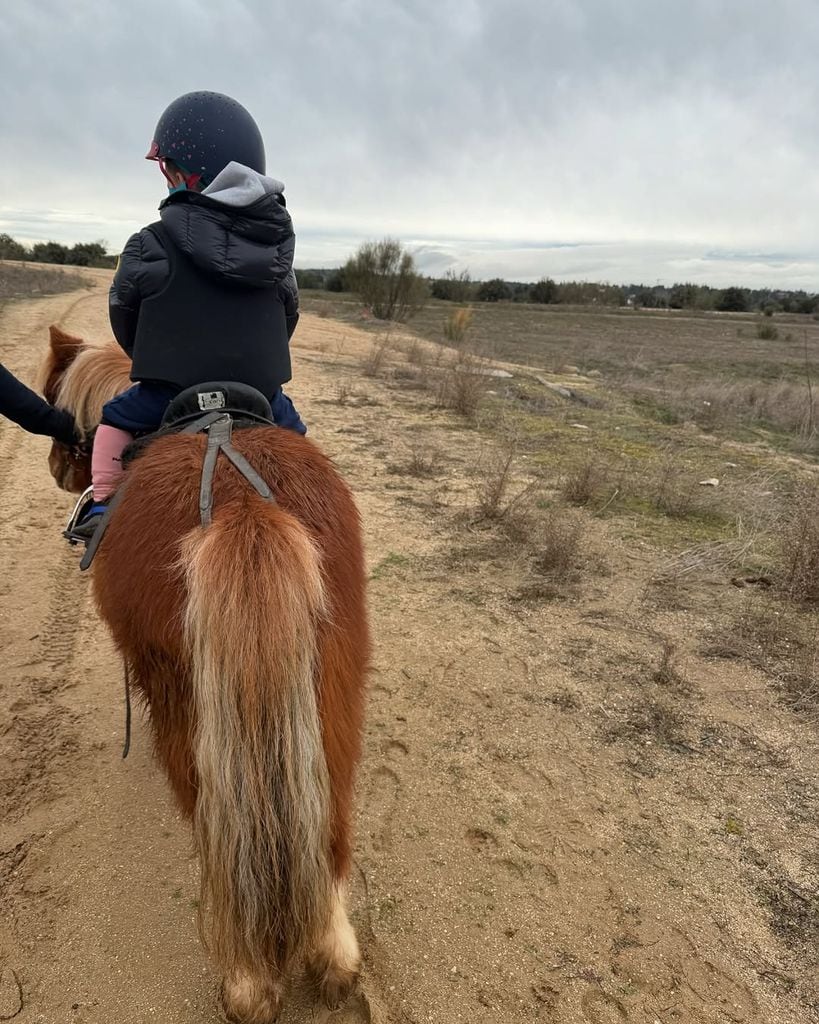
[{"x": 127, "y": 745}]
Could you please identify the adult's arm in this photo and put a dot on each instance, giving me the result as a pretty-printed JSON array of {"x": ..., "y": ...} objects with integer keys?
[{"x": 32, "y": 413}]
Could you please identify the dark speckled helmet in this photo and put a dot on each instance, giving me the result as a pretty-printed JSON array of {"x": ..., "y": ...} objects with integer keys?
[{"x": 202, "y": 132}]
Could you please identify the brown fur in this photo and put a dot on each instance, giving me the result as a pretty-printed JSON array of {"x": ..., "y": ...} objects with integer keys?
[{"x": 241, "y": 613}]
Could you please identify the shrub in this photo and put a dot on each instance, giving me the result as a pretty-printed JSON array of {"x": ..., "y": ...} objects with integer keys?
[
  {"x": 462, "y": 385},
  {"x": 583, "y": 484},
  {"x": 766, "y": 331},
  {"x": 383, "y": 276},
  {"x": 456, "y": 325},
  {"x": 374, "y": 362},
  {"x": 800, "y": 546}
]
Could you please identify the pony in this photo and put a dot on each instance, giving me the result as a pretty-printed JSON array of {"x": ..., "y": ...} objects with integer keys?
[{"x": 248, "y": 642}]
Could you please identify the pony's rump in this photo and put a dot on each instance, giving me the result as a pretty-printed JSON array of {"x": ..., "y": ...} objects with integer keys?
[{"x": 248, "y": 641}]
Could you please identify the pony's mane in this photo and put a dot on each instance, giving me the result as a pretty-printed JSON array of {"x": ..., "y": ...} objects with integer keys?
[{"x": 97, "y": 374}]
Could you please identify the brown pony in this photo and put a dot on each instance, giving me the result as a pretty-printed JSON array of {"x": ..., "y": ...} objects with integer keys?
[{"x": 248, "y": 642}]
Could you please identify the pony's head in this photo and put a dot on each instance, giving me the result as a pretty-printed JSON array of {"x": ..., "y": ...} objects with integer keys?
[{"x": 81, "y": 379}]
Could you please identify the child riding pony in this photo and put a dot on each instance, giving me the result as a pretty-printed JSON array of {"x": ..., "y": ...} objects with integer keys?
[{"x": 207, "y": 292}]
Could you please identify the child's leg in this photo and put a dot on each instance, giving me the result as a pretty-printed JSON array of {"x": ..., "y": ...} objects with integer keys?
[
  {"x": 106, "y": 460},
  {"x": 136, "y": 411},
  {"x": 284, "y": 413}
]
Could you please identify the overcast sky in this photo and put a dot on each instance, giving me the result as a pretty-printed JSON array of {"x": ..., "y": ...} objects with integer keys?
[{"x": 618, "y": 140}]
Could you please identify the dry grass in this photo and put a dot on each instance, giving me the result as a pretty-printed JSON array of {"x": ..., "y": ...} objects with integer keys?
[
  {"x": 496, "y": 473},
  {"x": 416, "y": 353},
  {"x": 779, "y": 640},
  {"x": 788, "y": 407},
  {"x": 344, "y": 391},
  {"x": 559, "y": 542},
  {"x": 650, "y": 722},
  {"x": 677, "y": 494},
  {"x": 584, "y": 484},
  {"x": 461, "y": 386},
  {"x": 20, "y": 281},
  {"x": 711, "y": 558},
  {"x": 668, "y": 674},
  {"x": 761, "y": 631},
  {"x": 457, "y": 325},
  {"x": 373, "y": 364},
  {"x": 800, "y": 546},
  {"x": 423, "y": 462},
  {"x": 801, "y": 685}
]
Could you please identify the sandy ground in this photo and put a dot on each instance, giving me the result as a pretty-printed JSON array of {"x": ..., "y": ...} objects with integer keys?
[{"x": 521, "y": 855}]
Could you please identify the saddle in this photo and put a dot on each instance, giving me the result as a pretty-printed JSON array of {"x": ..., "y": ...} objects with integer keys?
[{"x": 215, "y": 408}]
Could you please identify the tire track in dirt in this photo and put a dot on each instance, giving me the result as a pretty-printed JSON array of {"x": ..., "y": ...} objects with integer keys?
[{"x": 44, "y": 603}]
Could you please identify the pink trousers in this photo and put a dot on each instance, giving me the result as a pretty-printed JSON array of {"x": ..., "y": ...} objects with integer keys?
[{"x": 106, "y": 460}]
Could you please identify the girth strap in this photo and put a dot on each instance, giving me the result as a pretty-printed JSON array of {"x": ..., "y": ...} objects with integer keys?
[{"x": 219, "y": 436}]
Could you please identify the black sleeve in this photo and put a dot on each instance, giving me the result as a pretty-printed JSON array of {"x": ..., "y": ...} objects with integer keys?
[
  {"x": 32, "y": 413},
  {"x": 124, "y": 298}
]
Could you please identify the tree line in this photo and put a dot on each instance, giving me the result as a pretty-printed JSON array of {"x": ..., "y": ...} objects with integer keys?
[
  {"x": 459, "y": 287},
  {"x": 83, "y": 254},
  {"x": 385, "y": 278}
]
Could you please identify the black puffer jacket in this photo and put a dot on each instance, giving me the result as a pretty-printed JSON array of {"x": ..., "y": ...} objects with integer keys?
[{"x": 237, "y": 230}]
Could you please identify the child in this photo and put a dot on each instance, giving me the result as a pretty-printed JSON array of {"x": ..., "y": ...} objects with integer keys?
[{"x": 207, "y": 293}]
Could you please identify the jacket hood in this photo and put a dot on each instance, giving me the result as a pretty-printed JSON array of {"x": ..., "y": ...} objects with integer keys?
[{"x": 238, "y": 228}]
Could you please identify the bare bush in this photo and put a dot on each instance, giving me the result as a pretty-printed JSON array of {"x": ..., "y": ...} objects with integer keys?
[
  {"x": 383, "y": 276},
  {"x": 676, "y": 494},
  {"x": 766, "y": 331},
  {"x": 763, "y": 632},
  {"x": 423, "y": 462},
  {"x": 461, "y": 386},
  {"x": 800, "y": 546},
  {"x": 344, "y": 391},
  {"x": 497, "y": 498},
  {"x": 559, "y": 540},
  {"x": 668, "y": 674},
  {"x": 374, "y": 361},
  {"x": 416, "y": 353},
  {"x": 584, "y": 483}
]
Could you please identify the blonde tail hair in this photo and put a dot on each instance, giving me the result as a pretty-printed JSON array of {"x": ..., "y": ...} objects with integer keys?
[{"x": 255, "y": 600}]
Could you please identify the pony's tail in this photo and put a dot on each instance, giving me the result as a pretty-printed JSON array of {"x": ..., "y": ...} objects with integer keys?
[{"x": 255, "y": 599}]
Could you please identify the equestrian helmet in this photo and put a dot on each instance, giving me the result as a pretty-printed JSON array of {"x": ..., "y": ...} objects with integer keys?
[{"x": 202, "y": 132}]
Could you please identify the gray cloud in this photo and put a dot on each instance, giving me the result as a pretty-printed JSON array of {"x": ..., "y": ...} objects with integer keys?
[{"x": 481, "y": 131}]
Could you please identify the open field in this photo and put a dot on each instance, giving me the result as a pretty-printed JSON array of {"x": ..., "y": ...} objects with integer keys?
[
  {"x": 711, "y": 369},
  {"x": 589, "y": 791}
]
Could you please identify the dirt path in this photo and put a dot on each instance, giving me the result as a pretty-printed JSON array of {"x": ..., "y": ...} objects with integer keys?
[{"x": 526, "y": 849}]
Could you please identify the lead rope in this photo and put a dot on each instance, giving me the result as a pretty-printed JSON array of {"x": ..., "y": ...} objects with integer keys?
[{"x": 127, "y": 746}]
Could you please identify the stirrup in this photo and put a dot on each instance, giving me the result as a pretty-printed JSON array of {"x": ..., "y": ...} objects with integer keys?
[{"x": 84, "y": 502}]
